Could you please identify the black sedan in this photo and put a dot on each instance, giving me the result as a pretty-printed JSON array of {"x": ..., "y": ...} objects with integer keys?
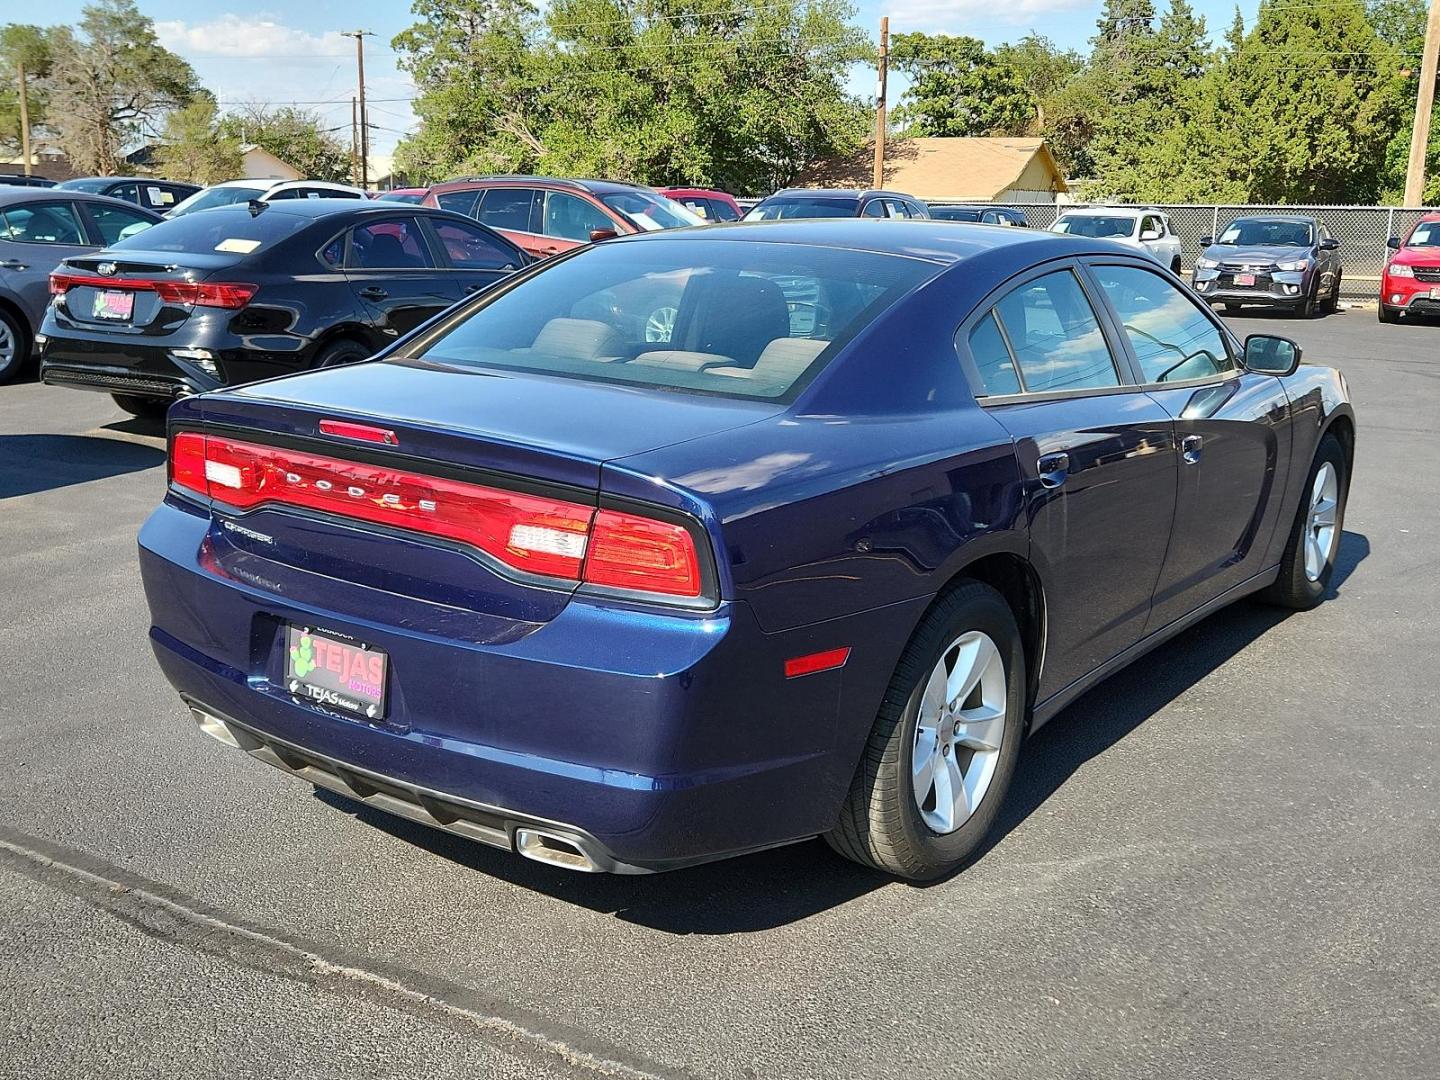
[
  {"x": 981, "y": 215},
  {"x": 1279, "y": 260},
  {"x": 245, "y": 292},
  {"x": 158, "y": 195}
]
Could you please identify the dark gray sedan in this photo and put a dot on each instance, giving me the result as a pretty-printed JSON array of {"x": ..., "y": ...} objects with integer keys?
[
  {"x": 38, "y": 228},
  {"x": 1279, "y": 260}
]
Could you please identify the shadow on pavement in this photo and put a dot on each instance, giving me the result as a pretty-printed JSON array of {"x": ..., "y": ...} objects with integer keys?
[
  {"x": 32, "y": 463},
  {"x": 785, "y": 885}
]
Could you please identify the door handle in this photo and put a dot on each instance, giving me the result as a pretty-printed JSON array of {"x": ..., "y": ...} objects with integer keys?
[
  {"x": 1190, "y": 447},
  {"x": 13, "y": 264},
  {"x": 373, "y": 292},
  {"x": 1053, "y": 469}
]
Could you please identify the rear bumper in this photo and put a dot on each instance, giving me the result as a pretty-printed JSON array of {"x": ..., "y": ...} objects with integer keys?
[
  {"x": 651, "y": 741},
  {"x": 111, "y": 379}
]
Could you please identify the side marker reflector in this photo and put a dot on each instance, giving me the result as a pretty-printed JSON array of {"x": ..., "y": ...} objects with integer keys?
[{"x": 820, "y": 661}]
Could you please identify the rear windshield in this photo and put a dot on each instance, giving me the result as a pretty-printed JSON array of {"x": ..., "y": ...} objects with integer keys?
[
  {"x": 651, "y": 212},
  {"x": 217, "y": 196},
  {"x": 91, "y": 184},
  {"x": 954, "y": 213},
  {"x": 744, "y": 320},
  {"x": 232, "y": 231},
  {"x": 1095, "y": 226},
  {"x": 803, "y": 206}
]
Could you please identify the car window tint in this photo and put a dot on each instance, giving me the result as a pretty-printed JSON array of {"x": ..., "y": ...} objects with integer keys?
[
  {"x": 874, "y": 208},
  {"x": 115, "y": 222},
  {"x": 720, "y": 210},
  {"x": 469, "y": 247},
  {"x": 128, "y": 192},
  {"x": 462, "y": 202},
  {"x": 388, "y": 245},
  {"x": 507, "y": 208},
  {"x": 745, "y": 320},
  {"x": 993, "y": 362},
  {"x": 1172, "y": 338},
  {"x": 229, "y": 230},
  {"x": 1056, "y": 336},
  {"x": 1096, "y": 226},
  {"x": 43, "y": 223},
  {"x": 896, "y": 209},
  {"x": 571, "y": 218}
]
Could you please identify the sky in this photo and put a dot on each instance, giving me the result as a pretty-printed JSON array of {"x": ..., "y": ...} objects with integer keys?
[{"x": 246, "y": 52}]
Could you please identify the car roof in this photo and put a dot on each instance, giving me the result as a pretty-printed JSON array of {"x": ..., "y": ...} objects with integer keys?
[
  {"x": 694, "y": 191},
  {"x": 9, "y": 196},
  {"x": 1299, "y": 218},
  {"x": 128, "y": 180},
  {"x": 839, "y": 193},
  {"x": 319, "y": 208},
  {"x": 595, "y": 187},
  {"x": 1107, "y": 211},
  {"x": 937, "y": 242}
]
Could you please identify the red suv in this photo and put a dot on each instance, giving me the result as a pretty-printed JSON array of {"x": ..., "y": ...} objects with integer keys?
[
  {"x": 1411, "y": 280},
  {"x": 546, "y": 216},
  {"x": 708, "y": 204}
]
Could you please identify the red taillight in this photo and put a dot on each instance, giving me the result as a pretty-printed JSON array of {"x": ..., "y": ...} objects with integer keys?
[
  {"x": 345, "y": 429},
  {"x": 229, "y": 295},
  {"x": 532, "y": 533},
  {"x": 630, "y": 552}
]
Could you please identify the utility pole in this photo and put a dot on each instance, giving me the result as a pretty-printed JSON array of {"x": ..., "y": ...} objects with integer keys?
[
  {"x": 354, "y": 141},
  {"x": 1424, "y": 102},
  {"x": 24, "y": 116},
  {"x": 360, "y": 36},
  {"x": 884, "y": 67}
]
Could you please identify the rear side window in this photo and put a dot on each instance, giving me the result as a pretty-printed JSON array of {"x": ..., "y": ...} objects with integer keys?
[
  {"x": 803, "y": 206},
  {"x": 993, "y": 363},
  {"x": 388, "y": 245},
  {"x": 744, "y": 320},
  {"x": 462, "y": 202},
  {"x": 229, "y": 230},
  {"x": 874, "y": 208},
  {"x": 1054, "y": 336},
  {"x": 720, "y": 210},
  {"x": 468, "y": 247},
  {"x": 115, "y": 222},
  {"x": 42, "y": 223},
  {"x": 508, "y": 208}
]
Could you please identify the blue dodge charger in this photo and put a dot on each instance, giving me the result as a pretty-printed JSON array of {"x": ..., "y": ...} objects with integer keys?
[{"x": 694, "y": 543}]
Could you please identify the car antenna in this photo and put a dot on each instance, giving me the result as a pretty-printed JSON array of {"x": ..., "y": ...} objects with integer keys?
[{"x": 256, "y": 206}]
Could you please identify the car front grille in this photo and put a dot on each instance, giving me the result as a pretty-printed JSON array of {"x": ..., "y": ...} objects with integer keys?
[
  {"x": 1427, "y": 273},
  {"x": 1246, "y": 268}
]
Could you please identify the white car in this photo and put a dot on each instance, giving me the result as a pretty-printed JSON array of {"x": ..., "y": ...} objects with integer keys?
[
  {"x": 236, "y": 191},
  {"x": 1134, "y": 226}
]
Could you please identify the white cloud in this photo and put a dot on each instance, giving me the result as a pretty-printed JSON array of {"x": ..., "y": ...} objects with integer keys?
[
  {"x": 941, "y": 16},
  {"x": 235, "y": 35}
]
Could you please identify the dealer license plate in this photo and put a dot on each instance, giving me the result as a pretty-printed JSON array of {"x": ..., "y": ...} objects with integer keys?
[
  {"x": 1435, "y": 294},
  {"x": 336, "y": 671},
  {"x": 113, "y": 304},
  {"x": 1244, "y": 279}
]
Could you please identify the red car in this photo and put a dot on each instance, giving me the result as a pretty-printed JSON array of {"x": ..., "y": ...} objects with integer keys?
[
  {"x": 710, "y": 205},
  {"x": 545, "y": 216},
  {"x": 1411, "y": 281}
]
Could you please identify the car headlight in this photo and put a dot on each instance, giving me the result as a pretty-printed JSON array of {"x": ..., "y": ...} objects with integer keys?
[
  {"x": 1400, "y": 270},
  {"x": 1203, "y": 263},
  {"x": 1293, "y": 264}
]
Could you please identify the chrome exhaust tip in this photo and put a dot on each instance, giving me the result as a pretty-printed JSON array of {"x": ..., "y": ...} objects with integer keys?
[
  {"x": 556, "y": 850},
  {"x": 216, "y": 728}
]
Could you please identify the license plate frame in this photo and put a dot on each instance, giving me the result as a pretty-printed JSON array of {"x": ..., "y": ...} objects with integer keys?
[
  {"x": 1245, "y": 281},
  {"x": 113, "y": 305},
  {"x": 327, "y": 668}
]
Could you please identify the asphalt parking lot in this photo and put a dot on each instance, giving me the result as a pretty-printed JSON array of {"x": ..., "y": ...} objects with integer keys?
[{"x": 1221, "y": 863}]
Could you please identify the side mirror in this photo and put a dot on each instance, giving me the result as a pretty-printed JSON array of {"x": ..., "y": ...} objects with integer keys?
[
  {"x": 1266, "y": 354},
  {"x": 596, "y": 235},
  {"x": 1394, "y": 243},
  {"x": 1206, "y": 241},
  {"x": 1329, "y": 244},
  {"x": 1151, "y": 234}
]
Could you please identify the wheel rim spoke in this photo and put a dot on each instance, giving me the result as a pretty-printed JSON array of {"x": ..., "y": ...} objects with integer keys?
[
  {"x": 983, "y": 729},
  {"x": 1322, "y": 521}
]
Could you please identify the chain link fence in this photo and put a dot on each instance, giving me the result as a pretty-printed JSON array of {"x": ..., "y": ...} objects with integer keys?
[{"x": 1361, "y": 230}]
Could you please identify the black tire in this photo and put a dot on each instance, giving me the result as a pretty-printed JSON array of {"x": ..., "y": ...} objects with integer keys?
[
  {"x": 1232, "y": 308},
  {"x": 1306, "y": 308},
  {"x": 343, "y": 351},
  {"x": 1293, "y": 588},
  {"x": 14, "y": 331},
  {"x": 1332, "y": 302},
  {"x": 880, "y": 824},
  {"x": 1389, "y": 315},
  {"x": 148, "y": 407}
]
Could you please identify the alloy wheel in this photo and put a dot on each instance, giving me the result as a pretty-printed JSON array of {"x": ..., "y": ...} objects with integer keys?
[
  {"x": 9, "y": 346},
  {"x": 1320, "y": 528},
  {"x": 959, "y": 731},
  {"x": 660, "y": 325}
]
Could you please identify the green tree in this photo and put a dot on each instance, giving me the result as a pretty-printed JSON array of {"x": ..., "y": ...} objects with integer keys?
[
  {"x": 1044, "y": 70},
  {"x": 193, "y": 147},
  {"x": 958, "y": 88},
  {"x": 658, "y": 91},
  {"x": 111, "y": 84},
  {"x": 295, "y": 136},
  {"x": 21, "y": 44}
]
